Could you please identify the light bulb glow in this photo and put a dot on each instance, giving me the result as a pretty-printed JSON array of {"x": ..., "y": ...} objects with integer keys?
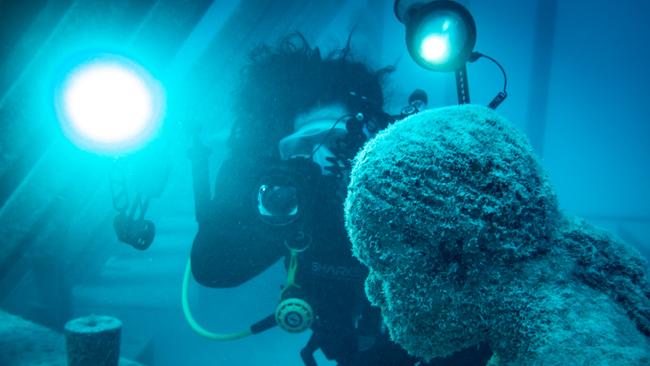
[
  {"x": 109, "y": 105},
  {"x": 435, "y": 48}
]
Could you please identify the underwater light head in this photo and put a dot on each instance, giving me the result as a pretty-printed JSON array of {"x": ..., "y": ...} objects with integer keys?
[
  {"x": 440, "y": 34},
  {"x": 109, "y": 104}
]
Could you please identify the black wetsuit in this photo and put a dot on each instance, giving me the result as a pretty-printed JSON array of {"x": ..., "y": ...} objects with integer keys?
[{"x": 235, "y": 245}]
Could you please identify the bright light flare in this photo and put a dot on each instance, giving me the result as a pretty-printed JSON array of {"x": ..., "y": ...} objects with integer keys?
[
  {"x": 435, "y": 48},
  {"x": 110, "y": 105}
]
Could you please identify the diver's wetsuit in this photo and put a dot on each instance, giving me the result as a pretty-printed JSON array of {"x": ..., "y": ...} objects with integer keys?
[{"x": 235, "y": 245}]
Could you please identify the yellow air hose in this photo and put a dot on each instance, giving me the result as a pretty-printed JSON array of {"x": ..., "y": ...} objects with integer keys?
[{"x": 190, "y": 319}]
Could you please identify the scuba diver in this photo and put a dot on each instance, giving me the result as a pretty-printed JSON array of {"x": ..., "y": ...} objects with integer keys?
[{"x": 300, "y": 119}]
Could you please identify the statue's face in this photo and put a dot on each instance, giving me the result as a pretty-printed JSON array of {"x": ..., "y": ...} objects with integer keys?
[
  {"x": 426, "y": 310},
  {"x": 415, "y": 276}
]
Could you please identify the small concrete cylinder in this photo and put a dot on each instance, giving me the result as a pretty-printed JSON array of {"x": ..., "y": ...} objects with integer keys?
[{"x": 93, "y": 341}]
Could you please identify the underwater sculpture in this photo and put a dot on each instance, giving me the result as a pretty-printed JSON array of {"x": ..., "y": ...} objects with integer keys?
[{"x": 465, "y": 243}]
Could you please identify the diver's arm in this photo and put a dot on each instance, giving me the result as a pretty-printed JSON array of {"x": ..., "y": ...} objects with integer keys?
[{"x": 233, "y": 245}]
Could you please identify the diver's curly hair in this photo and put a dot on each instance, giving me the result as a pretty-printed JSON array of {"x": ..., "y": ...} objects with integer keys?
[{"x": 283, "y": 81}]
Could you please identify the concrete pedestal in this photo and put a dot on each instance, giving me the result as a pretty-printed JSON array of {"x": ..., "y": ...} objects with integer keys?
[{"x": 93, "y": 341}]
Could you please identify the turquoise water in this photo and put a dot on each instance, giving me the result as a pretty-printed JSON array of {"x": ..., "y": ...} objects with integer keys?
[{"x": 578, "y": 88}]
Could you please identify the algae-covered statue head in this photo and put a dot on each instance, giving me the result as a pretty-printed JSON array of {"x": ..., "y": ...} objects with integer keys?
[{"x": 457, "y": 222}]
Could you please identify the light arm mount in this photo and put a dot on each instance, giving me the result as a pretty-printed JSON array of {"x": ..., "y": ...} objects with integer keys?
[{"x": 462, "y": 83}]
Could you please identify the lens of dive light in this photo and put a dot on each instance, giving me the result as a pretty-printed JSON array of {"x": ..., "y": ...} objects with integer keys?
[
  {"x": 441, "y": 35},
  {"x": 277, "y": 202}
]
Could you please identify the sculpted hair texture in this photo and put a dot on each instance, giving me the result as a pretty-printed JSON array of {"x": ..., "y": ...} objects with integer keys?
[{"x": 283, "y": 81}]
